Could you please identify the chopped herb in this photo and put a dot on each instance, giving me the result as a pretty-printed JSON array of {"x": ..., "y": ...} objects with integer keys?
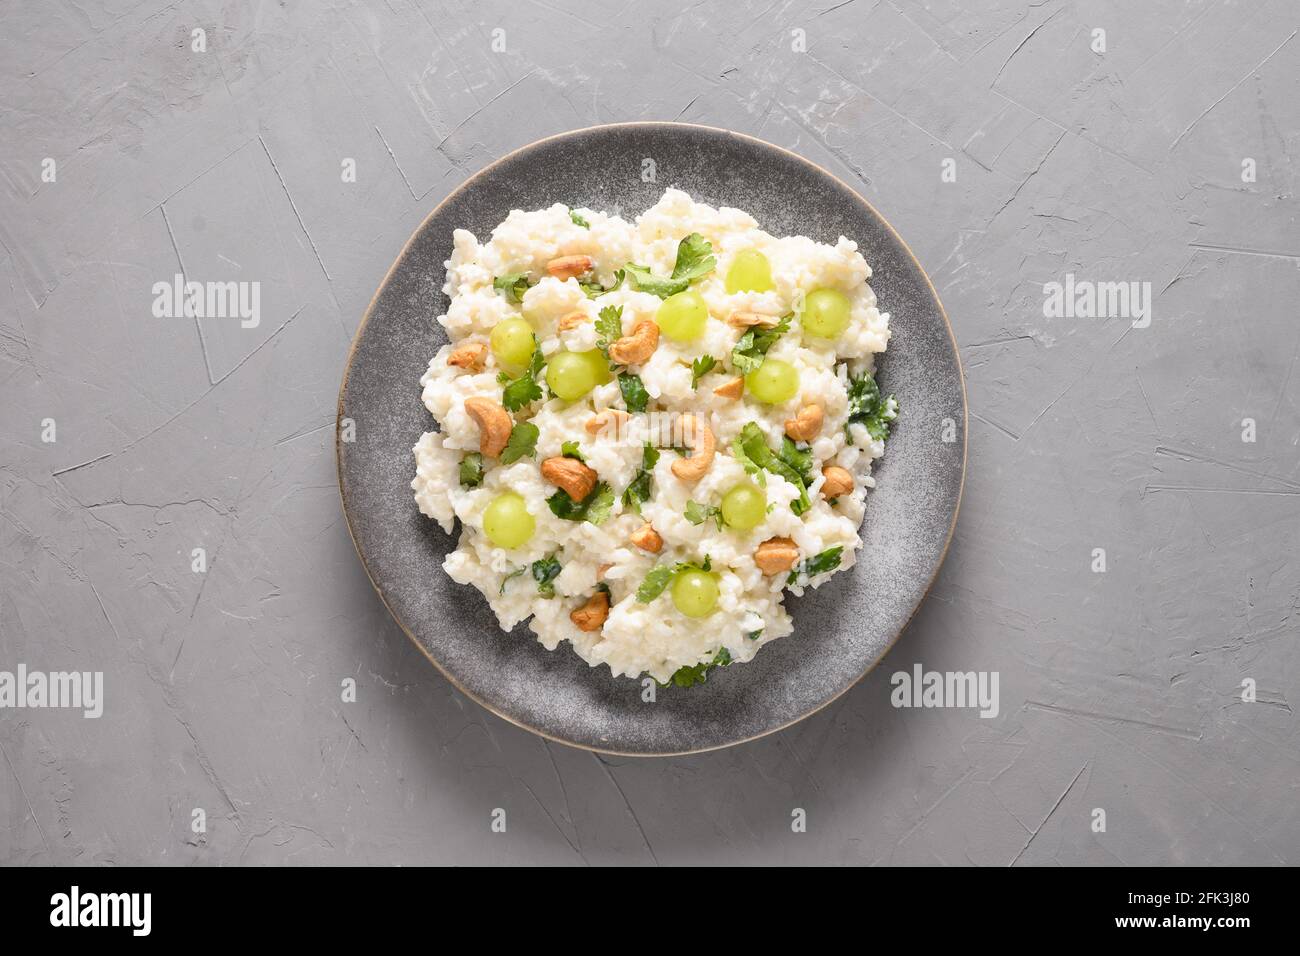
[
  {"x": 754, "y": 635},
  {"x": 694, "y": 261},
  {"x": 701, "y": 367},
  {"x": 522, "y": 443},
  {"x": 657, "y": 578},
  {"x": 654, "y": 583},
  {"x": 578, "y": 220},
  {"x": 595, "y": 508},
  {"x": 869, "y": 409},
  {"x": 697, "y": 513},
  {"x": 514, "y": 285},
  {"x": 595, "y": 290},
  {"x": 506, "y": 580},
  {"x": 750, "y": 449},
  {"x": 698, "y": 674},
  {"x": 742, "y": 458},
  {"x": 609, "y": 327},
  {"x": 545, "y": 571},
  {"x": 749, "y": 351},
  {"x": 820, "y": 563},
  {"x": 800, "y": 459},
  {"x": 694, "y": 258},
  {"x": 635, "y": 397},
  {"x": 570, "y": 449},
  {"x": 638, "y": 490},
  {"x": 523, "y": 390},
  {"x": 471, "y": 470}
]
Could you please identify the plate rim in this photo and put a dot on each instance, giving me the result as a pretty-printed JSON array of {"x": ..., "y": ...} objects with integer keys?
[{"x": 383, "y": 284}]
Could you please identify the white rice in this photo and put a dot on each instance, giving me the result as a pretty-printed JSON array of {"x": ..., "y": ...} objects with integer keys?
[{"x": 652, "y": 638}]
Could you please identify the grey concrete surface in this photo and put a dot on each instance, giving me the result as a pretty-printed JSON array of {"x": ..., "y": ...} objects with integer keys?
[{"x": 1120, "y": 691}]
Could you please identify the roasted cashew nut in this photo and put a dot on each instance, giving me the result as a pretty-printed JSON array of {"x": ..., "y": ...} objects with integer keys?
[
  {"x": 647, "y": 539},
  {"x": 776, "y": 555},
  {"x": 837, "y": 482},
  {"x": 805, "y": 425},
  {"x": 471, "y": 355},
  {"x": 702, "y": 442},
  {"x": 591, "y": 616},
  {"x": 493, "y": 424},
  {"x": 575, "y": 478},
  {"x": 634, "y": 349},
  {"x": 569, "y": 267}
]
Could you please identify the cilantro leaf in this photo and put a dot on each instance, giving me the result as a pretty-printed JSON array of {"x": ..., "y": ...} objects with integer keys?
[
  {"x": 513, "y": 284},
  {"x": 646, "y": 281},
  {"x": 868, "y": 408},
  {"x": 689, "y": 676},
  {"x": 638, "y": 490},
  {"x": 596, "y": 507},
  {"x": 799, "y": 459},
  {"x": 701, "y": 367},
  {"x": 658, "y": 577},
  {"x": 748, "y": 352},
  {"x": 570, "y": 449},
  {"x": 695, "y": 260},
  {"x": 522, "y": 443},
  {"x": 506, "y": 580},
  {"x": 609, "y": 327},
  {"x": 820, "y": 563},
  {"x": 654, "y": 583},
  {"x": 523, "y": 390},
  {"x": 742, "y": 458},
  {"x": 595, "y": 290},
  {"x": 752, "y": 445},
  {"x": 471, "y": 470},
  {"x": 635, "y": 397},
  {"x": 578, "y": 220},
  {"x": 545, "y": 571},
  {"x": 697, "y": 513}
]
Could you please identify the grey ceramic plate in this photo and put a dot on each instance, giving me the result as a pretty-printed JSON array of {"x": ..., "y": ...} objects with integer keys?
[{"x": 841, "y": 630}]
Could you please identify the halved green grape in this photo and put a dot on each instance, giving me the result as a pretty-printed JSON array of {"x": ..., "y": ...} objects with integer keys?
[
  {"x": 825, "y": 313},
  {"x": 773, "y": 382},
  {"x": 507, "y": 522},
  {"x": 570, "y": 375},
  {"x": 683, "y": 316},
  {"x": 695, "y": 593},
  {"x": 599, "y": 365},
  {"x": 512, "y": 342},
  {"x": 750, "y": 272},
  {"x": 744, "y": 507}
]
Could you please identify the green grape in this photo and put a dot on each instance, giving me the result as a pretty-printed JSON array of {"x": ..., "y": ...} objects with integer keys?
[
  {"x": 507, "y": 522},
  {"x": 826, "y": 313},
  {"x": 599, "y": 365},
  {"x": 750, "y": 272},
  {"x": 682, "y": 316},
  {"x": 773, "y": 382},
  {"x": 695, "y": 593},
  {"x": 570, "y": 375},
  {"x": 744, "y": 507},
  {"x": 512, "y": 342}
]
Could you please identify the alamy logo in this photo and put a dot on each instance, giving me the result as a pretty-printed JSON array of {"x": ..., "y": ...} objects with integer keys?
[
  {"x": 923, "y": 688},
  {"x": 208, "y": 300},
  {"x": 24, "y": 688},
  {"x": 75, "y": 908},
  {"x": 1085, "y": 299}
]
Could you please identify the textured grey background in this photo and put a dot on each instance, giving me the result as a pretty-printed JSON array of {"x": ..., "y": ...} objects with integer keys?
[{"x": 1119, "y": 690}]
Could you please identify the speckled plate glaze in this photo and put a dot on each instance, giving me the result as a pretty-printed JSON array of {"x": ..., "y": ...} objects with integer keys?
[{"x": 841, "y": 630}]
